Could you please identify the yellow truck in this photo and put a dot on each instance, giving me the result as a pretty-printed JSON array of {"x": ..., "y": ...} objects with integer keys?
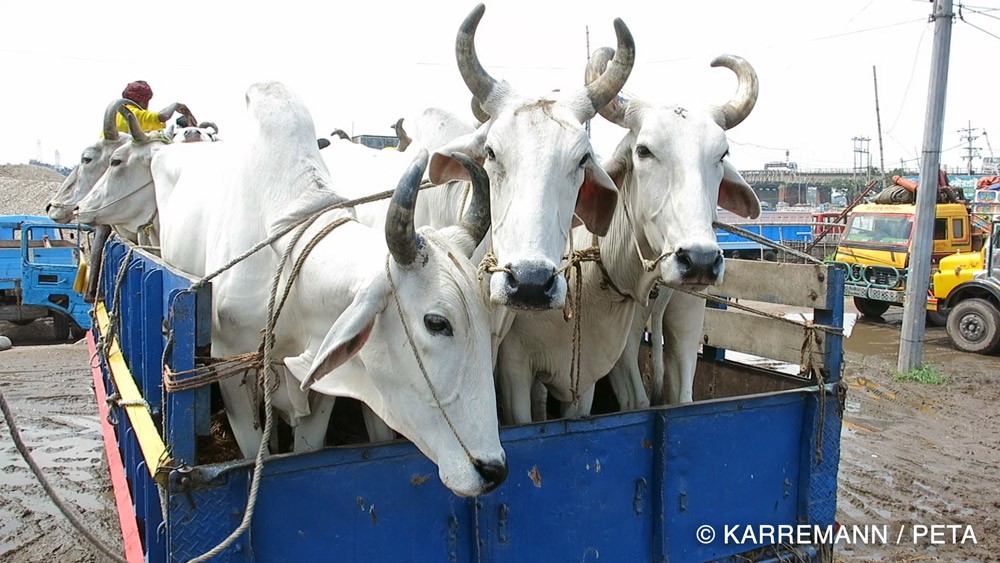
[
  {"x": 874, "y": 251},
  {"x": 967, "y": 288}
]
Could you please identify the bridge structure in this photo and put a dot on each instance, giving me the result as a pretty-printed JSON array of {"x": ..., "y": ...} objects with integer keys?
[{"x": 793, "y": 185}]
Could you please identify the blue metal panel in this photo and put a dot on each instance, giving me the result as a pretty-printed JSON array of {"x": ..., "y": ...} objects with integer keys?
[
  {"x": 180, "y": 411},
  {"x": 728, "y": 463},
  {"x": 149, "y": 376}
]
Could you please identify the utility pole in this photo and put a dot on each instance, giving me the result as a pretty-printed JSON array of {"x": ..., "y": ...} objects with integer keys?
[
  {"x": 911, "y": 340},
  {"x": 970, "y": 151},
  {"x": 878, "y": 122},
  {"x": 862, "y": 157}
]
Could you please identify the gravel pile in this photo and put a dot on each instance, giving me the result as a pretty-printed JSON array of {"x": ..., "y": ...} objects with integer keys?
[{"x": 26, "y": 189}]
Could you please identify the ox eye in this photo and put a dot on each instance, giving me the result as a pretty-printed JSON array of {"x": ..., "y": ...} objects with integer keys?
[
  {"x": 642, "y": 151},
  {"x": 86, "y": 160},
  {"x": 490, "y": 154},
  {"x": 116, "y": 162},
  {"x": 436, "y": 324},
  {"x": 584, "y": 160}
]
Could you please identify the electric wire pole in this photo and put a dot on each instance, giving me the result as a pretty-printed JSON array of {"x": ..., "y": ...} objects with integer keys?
[{"x": 911, "y": 340}]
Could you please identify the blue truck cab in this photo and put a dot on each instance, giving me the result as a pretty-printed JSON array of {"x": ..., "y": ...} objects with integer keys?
[{"x": 39, "y": 260}]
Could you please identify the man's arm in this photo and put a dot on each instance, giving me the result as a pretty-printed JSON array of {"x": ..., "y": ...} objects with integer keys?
[{"x": 177, "y": 107}]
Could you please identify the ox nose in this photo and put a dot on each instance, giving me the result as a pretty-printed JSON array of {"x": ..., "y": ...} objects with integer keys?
[
  {"x": 699, "y": 266},
  {"x": 530, "y": 285},
  {"x": 494, "y": 473}
]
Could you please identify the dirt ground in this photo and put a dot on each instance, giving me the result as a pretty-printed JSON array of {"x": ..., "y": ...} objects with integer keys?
[{"x": 913, "y": 454}]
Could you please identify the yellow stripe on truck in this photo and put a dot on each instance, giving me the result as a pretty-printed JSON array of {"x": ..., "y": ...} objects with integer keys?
[{"x": 154, "y": 451}]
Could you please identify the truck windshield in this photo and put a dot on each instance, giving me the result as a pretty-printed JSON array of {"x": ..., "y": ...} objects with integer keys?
[{"x": 881, "y": 229}]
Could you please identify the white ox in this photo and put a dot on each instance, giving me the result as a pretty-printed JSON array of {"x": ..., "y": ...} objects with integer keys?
[
  {"x": 93, "y": 162},
  {"x": 123, "y": 196},
  {"x": 342, "y": 330},
  {"x": 683, "y": 150},
  {"x": 541, "y": 167},
  {"x": 671, "y": 174}
]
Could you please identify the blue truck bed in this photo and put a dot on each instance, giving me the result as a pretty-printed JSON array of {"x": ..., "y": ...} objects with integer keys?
[{"x": 759, "y": 448}]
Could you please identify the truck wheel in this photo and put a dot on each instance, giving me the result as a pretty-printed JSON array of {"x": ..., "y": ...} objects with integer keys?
[
  {"x": 60, "y": 326},
  {"x": 974, "y": 326},
  {"x": 22, "y": 322},
  {"x": 871, "y": 308},
  {"x": 936, "y": 318}
]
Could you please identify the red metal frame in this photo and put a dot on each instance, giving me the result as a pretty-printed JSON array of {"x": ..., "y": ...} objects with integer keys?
[{"x": 123, "y": 499}]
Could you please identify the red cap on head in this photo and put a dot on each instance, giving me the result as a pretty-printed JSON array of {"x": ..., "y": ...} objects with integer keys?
[{"x": 139, "y": 92}]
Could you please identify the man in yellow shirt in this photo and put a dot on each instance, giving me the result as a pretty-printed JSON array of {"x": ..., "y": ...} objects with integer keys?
[{"x": 139, "y": 93}]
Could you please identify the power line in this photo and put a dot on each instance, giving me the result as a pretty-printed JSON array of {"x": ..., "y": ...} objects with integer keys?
[
  {"x": 909, "y": 82},
  {"x": 979, "y": 28},
  {"x": 978, "y": 12}
]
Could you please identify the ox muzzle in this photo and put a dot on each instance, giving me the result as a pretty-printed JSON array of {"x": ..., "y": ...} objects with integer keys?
[
  {"x": 532, "y": 285},
  {"x": 696, "y": 265}
]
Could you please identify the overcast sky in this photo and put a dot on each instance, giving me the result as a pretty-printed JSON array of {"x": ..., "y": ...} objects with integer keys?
[{"x": 360, "y": 65}]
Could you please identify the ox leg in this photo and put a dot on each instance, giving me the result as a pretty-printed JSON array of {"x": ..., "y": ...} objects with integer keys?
[
  {"x": 238, "y": 400},
  {"x": 101, "y": 234},
  {"x": 514, "y": 382},
  {"x": 625, "y": 377},
  {"x": 539, "y": 401},
  {"x": 656, "y": 337},
  {"x": 310, "y": 431},
  {"x": 683, "y": 324},
  {"x": 582, "y": 407},
  {"x": 378, "y": 430}
]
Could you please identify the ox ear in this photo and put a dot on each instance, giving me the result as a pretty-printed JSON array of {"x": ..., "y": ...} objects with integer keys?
[
  {"x": 345, "y": 339},
  {"x": 595, "y": 204},
  {"x": 736, "y": 195},
  {"x": 443, "y": 168}
]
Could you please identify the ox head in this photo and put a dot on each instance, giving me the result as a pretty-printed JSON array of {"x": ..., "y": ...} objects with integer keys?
[
  {"x": 93, "y": 162},
  {"x": 542, "y": 171},
  {"x": 123, "y": 195},
  {"x": 423, "y": 334},
  {"x": 205, "y": 132},
  {"x": 672, "y": 170}
]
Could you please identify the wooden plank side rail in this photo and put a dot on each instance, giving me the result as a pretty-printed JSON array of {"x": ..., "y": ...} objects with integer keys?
[
  {"x": 797, "y": 285},
  {"x": 761, "y": 336}
]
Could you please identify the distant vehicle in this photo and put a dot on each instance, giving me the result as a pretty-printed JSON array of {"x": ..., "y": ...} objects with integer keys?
[
  {"x": 875, "y": 251},
  {"x": 781, "y": 165},
  {"x": 38, "y": 270},
  {"x": 968, "y": 289}
]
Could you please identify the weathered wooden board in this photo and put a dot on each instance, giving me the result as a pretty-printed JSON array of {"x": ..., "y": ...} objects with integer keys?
[
  {"x": 761, "y": 336},
  {"x": 798, "y": 285}
]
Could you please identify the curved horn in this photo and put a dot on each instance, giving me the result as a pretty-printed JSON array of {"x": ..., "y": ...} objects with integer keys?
[
  {"x": 479, "y": 82},
  {"x": 601, "y": 91},
  {"x": 207, "y": 124},
  {"x": 614, "y": 111},
  {"x": 340, "y": 133},
  {"x": 479, "y": 112},
  {"x": 404, "y": 138},
  {"x": 476, "y": 220},
  {"x": 400, "y": 236},
  {"x": 133, "y": 125},
  {"x": 738, "y": 108},
  {"x": 110, "y": 126}
]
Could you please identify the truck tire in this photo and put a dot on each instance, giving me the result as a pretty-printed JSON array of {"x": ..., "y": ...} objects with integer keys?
[
  {"x": 974, "y": 326},
  {"x": 60, "y": 326},
  {"x": 22, "y": 322},
  {"x": 870, "y": 307}
]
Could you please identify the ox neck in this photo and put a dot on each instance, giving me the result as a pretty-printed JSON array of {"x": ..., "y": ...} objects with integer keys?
[{"x": 619, "y": 254}]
